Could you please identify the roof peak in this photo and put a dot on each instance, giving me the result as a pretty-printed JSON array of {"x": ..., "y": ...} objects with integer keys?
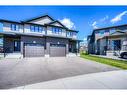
[{"x": 38, "y": 17}]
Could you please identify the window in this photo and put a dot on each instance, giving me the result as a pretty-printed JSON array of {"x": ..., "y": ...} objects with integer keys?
[
  {"x": 107, "y": 30},
  {"x": 32, "y": 28},
  {"x": 40, "y": 29},
  {"x": 71, "y": 33},
  {"x": 74, "y": 33},
  {"x": 56, "y": 30},
  {"x": 35, "y": 28},
  {"x": 14, "y": 27}
]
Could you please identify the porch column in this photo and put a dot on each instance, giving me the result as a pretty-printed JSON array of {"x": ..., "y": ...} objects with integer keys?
[
  {"x": 77, "y": 42},
  {"x": 106, "y": 46},
  {"x": 67, "y": 48},
  {"x": 47, "y": 47},
  {"x": 21, "y": 47}
]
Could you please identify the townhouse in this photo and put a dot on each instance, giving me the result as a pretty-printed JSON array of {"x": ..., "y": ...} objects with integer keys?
[
  {"x": 108, "y": 41},
  {"x": 37, "y": 37}
]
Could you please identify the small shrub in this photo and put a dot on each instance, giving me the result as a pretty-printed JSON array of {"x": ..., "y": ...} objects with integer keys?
[{"x": 84, "y": 53}]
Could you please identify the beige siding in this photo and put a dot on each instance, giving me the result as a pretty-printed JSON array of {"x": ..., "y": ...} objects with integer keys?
[
  {"x": 27, "y": 30},
  {"x": 74, "y": 36},
  {"x": 49, "y": 32},
  {"x": 7, "y": 27},
  {"x": 42, "y": 21},
  {"x": 57, "y": 24}
]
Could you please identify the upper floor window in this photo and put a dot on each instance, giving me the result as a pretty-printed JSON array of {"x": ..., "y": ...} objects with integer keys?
[
  {"x": 112, "y": 30},
  {"x": 102, "y": 32},
  {"x": 56, "y": 30},
  {"x": 71, "y": 33},
  {"x": 35, "y": 28},
  {"x": 14, "y": 27},
  {"x": 107, "y": 30}
]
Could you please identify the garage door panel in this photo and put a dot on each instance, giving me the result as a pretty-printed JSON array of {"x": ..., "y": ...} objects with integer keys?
[
  {"x": 57, "y": 50},
  {"x": 34, "y": 50}
]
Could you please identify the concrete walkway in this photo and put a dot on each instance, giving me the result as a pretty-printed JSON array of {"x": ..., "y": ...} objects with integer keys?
[{"x": 104, "y": 80}]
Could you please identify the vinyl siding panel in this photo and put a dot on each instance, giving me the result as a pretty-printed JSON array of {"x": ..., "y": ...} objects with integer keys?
[{"x": 7, "y": 27}]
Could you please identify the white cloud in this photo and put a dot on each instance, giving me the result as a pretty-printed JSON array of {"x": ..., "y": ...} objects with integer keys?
[
  {"x": 94, "y": 24},
  {"x": 68, "y": 23},
  {"x": 98, "y": 22},
  {"x": 118, "y": 17},
  {"x": 85, "y": 39},
  {"x": 105, "y": 18}
]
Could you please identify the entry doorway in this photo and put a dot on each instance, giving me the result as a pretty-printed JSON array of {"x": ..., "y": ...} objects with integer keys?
[
  {"x": 117, "y": 44},
  {"x": 16, "y": 45}
]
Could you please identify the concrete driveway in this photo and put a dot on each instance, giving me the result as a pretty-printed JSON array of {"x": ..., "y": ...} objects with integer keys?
[{"x": 19, "y": 72}]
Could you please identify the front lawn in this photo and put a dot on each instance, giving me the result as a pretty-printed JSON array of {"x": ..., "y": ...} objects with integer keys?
[{"x": 109, "y": 61}]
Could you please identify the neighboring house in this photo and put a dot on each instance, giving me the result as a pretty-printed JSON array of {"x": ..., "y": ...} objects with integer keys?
[
  {"x": 108, "y": 41},
  {"x": 37, "y": 37},
  {"x": 83, "y": 47}
]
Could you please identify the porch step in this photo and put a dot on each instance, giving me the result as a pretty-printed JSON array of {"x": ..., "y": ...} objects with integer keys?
[{"x": 13, "y": 55}]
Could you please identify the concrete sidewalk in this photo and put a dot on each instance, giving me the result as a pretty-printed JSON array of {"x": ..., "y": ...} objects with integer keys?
[{"x": 104, "y": 80}]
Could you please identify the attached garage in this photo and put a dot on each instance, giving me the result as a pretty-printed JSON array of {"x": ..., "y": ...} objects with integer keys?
[
  {"x": 57, "y": 50},
  {"x": 33, "y": 50}
]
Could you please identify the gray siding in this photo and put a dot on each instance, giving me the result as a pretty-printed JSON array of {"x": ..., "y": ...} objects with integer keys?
[
  {"x": 27, "y": 39},
  {"x": 56, "y": 41},
  {"x": 8, "y": 45},
  {"x": 47, "y": 41}
]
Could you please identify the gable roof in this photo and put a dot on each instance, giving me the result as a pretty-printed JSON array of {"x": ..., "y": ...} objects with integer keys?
[
  {"x": 35, "y": 18},
  {"x": 109, "y": 27},
  {"x": 73, "y": 30},
  {"x": 47, "y": 24},
  {"x": 117, "y": 33},
  {"x": 56, "y": 21}
]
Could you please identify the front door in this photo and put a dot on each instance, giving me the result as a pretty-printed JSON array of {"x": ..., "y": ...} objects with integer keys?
[
  {"x": 117, "y": 44},
  {"x": 16, "y": 45}
]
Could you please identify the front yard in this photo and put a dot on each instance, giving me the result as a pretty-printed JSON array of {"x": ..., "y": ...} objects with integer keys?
[{"x": 112, "y": 62}]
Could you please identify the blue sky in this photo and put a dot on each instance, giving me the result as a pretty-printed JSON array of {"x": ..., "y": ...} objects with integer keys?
[{"x": 82, "y": 18}]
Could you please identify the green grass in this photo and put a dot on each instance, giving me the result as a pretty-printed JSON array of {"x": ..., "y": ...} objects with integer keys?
[{"x": 117, "y": 63}]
